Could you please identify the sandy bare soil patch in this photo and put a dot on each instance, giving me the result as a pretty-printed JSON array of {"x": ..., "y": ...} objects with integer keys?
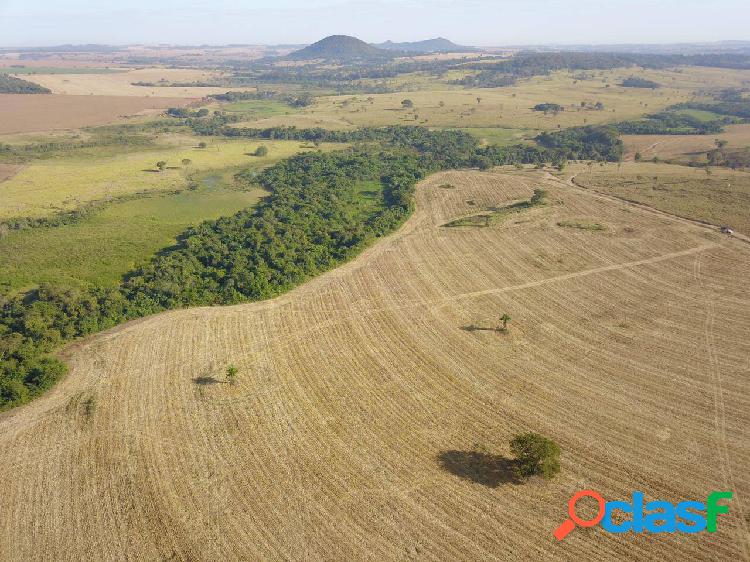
[
  {"x": 7, "y": 171},
  {"x": 363, "y": 399},
  {"x": 121, "y": 83},
  {"x": 29, "y": 113}
]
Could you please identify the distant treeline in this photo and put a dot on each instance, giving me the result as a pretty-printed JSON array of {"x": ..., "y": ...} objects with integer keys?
[
  {"x": 528, "y": 64},
  {"x": 12, "y": 85},
  {"x": 313, "y": 220}
]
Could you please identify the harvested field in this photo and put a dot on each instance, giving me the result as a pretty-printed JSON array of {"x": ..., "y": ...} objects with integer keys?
[
  {"x": 369, "y": 423},
  {"x": 30, "y": 113},
  {"x": 121, "y": 83}
]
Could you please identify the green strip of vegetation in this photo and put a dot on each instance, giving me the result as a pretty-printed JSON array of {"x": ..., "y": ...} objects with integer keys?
[{"x": 493, "y": 215}]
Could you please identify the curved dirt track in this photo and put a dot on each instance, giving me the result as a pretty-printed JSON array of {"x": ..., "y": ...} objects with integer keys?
[{"x": 363, "y": 402}]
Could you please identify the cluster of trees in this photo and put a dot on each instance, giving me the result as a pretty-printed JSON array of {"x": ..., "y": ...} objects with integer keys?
[
  {"x": 638, "y": 82},
  {"x": 670, "y": 123},
  {"x": 298, "y": 99},
  {"x": 599, "y": 143},
  {"x": 185, "y": 112},
  {"x": 548, "y": 107},
  {"x": 314, "y": 219},
  {"x": 13, "y": 85},
  {"x": 674, "y": 120},
  {"x": 735, "y": 108}
]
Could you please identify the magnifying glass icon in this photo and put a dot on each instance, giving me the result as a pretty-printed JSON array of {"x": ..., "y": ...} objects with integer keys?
[{"x": 569, "y": 524}]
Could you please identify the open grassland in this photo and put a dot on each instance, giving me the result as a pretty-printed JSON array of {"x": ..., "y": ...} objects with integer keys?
[
  {"x": 23, "y": 113},
  {"x": 438, "y": 104},
  {"x": 111, "y": 242},
  {"x": 367, "y": 422},
  {"x": 121, "y": 83},
  {"x": 684, "y": 148},
  {"x": 722, "y": 198},
  {"x": 45, "y": 187}
]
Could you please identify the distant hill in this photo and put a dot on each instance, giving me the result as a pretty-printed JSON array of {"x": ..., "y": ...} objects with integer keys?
[
  {"x": 437, "y": 45},
  {"x": 340, "y": 47}
]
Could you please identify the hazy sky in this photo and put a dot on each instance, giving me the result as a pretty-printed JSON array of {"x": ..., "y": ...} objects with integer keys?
[{"x": 477, "y": 22}]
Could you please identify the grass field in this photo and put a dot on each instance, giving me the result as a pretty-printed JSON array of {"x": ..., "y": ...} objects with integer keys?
[
  {"x": 511, "y": 107},
  {"x": 723, "y": 198},
  {"x": 367, "y": 422},
  {"x": 101, "y": 248},
  {"x": 684, "y": 148},
  {"x": 45, "y": 187}
]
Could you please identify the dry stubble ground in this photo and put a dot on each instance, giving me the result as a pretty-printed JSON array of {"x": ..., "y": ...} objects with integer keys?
[{"x": 360, "y": 403}]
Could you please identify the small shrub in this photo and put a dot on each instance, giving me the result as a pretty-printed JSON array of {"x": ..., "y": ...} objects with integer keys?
[{"x": 261, "y": 151}]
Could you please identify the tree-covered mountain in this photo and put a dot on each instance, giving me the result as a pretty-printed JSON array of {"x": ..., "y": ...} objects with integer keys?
[{"x": 340, "y": 48}]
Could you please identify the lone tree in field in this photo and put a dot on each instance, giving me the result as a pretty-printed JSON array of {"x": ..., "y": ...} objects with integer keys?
[
  {"x": 535, "y": 455},
  {"x": 201, "y": 144},
  {"x": 504, "y": 319},
  {"x": 161, "y": 164},
  {"x": 261, "y": 151},
  {"x": 406, "y": 104},
  {"x": 232, "y": 374},
  {"x": 186, "y": 161},
  {"x": 479, "y": 100}
]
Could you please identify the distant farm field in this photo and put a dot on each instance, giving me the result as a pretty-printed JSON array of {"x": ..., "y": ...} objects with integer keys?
[
  {"x": 45, "y": 187},
  {"x": 122, "y": 83},
  {"x": 373, "y": 406},
  {"x": 721, "y": 198},
  {"x": 20, "y": 113},
  {"x": 684, "y": 148}
]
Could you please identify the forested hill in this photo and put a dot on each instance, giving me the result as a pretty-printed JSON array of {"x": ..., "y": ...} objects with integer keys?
[{"x": 340, "y": 48}]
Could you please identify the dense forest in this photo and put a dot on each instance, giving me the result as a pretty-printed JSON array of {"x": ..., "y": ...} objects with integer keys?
[
  {"x": 13, "y": 85},
  {"x": 316, "y": 217}
]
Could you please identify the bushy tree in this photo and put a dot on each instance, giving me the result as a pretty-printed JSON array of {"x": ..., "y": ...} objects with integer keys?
[
  {"x": 535, "y": 455},
  {"x": 261, "y": 151}
]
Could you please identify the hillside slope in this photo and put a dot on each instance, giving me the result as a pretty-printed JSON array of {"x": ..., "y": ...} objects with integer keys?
[
  {"x": 370, "y": 421},
  {"x": 341, "y": 48},
  {"x": 437, "y": 45}
]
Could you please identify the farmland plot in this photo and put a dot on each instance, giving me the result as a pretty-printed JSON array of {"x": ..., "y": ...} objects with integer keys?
[{"x": 364, "y": 396}]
